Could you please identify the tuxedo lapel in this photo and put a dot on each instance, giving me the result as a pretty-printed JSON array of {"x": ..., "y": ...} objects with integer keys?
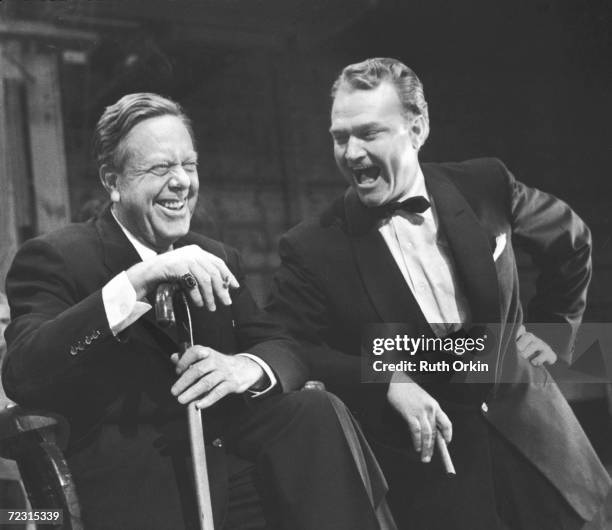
[
  {"x": 469, "y": 244},
  {"x": 382, "y": 278}
]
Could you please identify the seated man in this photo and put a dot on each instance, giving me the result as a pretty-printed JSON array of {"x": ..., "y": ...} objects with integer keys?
[{"x": 84, "y": 343}]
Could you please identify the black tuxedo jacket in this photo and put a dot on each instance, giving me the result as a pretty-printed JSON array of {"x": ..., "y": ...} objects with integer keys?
[
  {"x": 337, "y": 275},
  {"x": 128, "y": 433}
]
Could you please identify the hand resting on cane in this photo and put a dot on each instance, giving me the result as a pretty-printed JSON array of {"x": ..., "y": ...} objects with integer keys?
[{"x": 206, "y": 375}]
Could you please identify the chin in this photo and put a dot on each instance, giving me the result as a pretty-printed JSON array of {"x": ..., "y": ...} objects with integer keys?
[
  {"x": 177, "y": 234},
  {"x": 371, "y": 200},
  {"x": 168, "y": 237}
]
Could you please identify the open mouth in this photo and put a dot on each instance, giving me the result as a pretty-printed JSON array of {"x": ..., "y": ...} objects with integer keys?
[
  {"x": 172, "y": 205},
  {"x": 365, "y": 176}
]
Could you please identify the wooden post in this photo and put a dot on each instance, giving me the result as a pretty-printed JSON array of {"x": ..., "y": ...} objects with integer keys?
[
  {"x": 47, "y": 140},
  {"x": 8, "y": 229},
  {"x": 33, "y": 181}
]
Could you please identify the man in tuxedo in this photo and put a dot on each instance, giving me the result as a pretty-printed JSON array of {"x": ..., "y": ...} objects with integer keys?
[
  {"x": 84, "y": 342},
  {"x": 429, "y": 248}
]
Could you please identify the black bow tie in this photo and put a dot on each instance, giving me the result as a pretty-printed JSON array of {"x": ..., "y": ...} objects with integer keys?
[{"x": 418, "y": 204}]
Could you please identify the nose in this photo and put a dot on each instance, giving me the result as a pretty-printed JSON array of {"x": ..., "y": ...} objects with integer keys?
[
  {"x": 179, "y": 179},
  {"x": 354, "y": 149}
]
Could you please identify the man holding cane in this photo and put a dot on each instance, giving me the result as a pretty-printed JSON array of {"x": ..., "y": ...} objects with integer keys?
[{"x": 84, "y": 343}]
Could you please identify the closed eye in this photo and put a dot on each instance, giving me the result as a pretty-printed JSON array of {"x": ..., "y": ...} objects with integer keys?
[
  {"x": 340, "y": 139},
  {"x": 160, "y": 170},
  {"x": 370, "y": 135},
  {"x": 190, "y": 166}
]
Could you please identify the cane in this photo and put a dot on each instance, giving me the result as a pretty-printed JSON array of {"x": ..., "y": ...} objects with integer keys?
[{"x": 166, "y": 316}]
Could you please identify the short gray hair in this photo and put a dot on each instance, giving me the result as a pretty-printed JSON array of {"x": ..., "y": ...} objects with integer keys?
[
  {"x": 370, "y": 73},
  {"x": 119, "y": 119}
]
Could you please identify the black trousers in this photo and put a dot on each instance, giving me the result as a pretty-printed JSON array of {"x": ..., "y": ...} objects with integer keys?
[
  {"x": 305, "y": 472},
  {"x": 496, "y": 487},
  {"x": 290, "y": 447}
]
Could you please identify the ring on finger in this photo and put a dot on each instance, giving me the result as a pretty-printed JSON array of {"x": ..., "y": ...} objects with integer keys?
[
  {"x": 226, "y": 282},
  {"x": 188, "y": 281}
]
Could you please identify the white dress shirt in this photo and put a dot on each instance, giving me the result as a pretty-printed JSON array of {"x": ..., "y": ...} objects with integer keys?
[
  {"x": 425, "y": 260},
  {"x": 123, "y": 309}
]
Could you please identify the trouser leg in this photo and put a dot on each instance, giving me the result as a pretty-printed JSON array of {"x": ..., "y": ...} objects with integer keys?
[
  {"x": 307, "y": 475},
  {"x": 421, "y": 495},
  {"x": 496, "y": 487},
  {"x": 244, "y": 504}
]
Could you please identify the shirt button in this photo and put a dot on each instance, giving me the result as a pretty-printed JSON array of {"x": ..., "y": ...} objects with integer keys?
[
  {"x": 484, "y": 407},
  {"x": 217, "y": 442}
]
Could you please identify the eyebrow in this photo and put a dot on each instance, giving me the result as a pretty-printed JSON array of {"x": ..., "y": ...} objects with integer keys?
[
  {"x": 360, "y": 127},
  {"x": 166, "y": 159}
]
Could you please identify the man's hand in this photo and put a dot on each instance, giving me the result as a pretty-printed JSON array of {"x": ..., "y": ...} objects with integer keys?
[
  {"x": 213, "y": 277},
  {"x": 421, "y": 412},
  {"x": 206, "y": 376},
  {"x": 534, "y": 349}
]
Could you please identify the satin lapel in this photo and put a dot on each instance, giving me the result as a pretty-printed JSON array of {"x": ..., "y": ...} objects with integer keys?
[
  {"x": 119, "y": 255},
  {"x": 383, "y": 280},
  {"x": 469, "y": 244}
]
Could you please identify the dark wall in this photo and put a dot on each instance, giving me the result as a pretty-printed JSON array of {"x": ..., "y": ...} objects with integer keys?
[{"x": 526, "y": 81}]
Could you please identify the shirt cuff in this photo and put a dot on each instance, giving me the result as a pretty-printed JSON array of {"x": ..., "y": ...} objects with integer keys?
[
  {"x": 120, "y": 303},
  {"x": 267, "y": 370}
]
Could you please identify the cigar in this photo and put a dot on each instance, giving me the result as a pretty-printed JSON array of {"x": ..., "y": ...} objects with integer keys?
[{"x": 445, "y": 455}]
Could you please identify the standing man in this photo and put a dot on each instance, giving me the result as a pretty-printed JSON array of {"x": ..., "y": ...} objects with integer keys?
[
  {"x": 430, "y": 246},
  {"x": 83, "y": 342}
]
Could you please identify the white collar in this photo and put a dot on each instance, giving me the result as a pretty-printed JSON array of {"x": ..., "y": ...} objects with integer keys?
[{"x": 144, "y": 252}]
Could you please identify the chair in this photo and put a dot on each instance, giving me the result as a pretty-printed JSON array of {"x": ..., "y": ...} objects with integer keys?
[{"x": 35, "y": 441}]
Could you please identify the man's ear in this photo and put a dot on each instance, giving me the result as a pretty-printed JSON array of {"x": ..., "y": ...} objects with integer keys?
[
  {"x": 110, "y": 181},
  {"x": 108, "y": 177},
  {"x": 419, "y": 131}
]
